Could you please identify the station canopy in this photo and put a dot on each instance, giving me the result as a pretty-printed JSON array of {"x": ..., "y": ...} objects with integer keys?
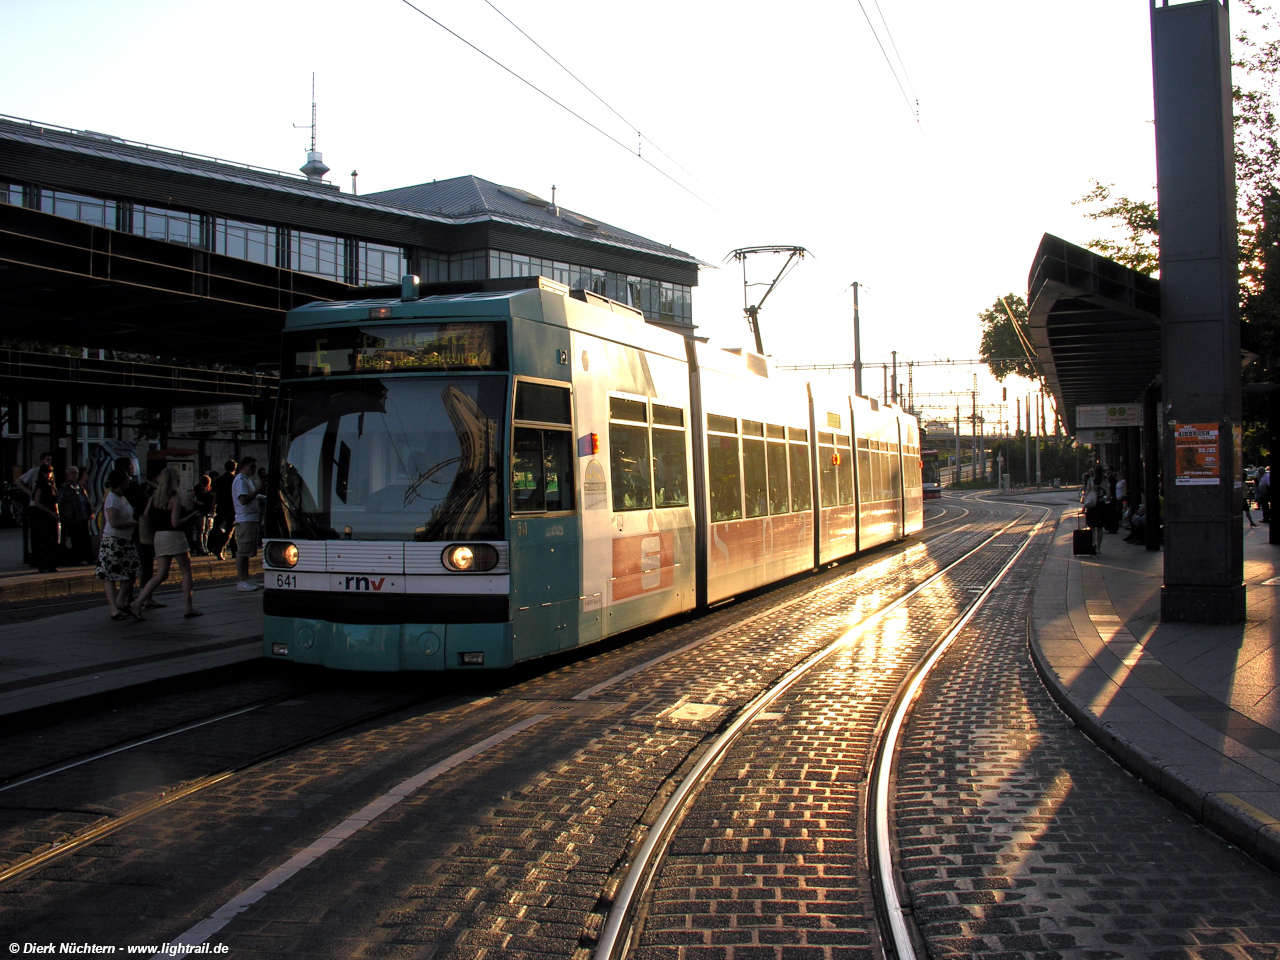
[{"x": 1095, "y": 327}]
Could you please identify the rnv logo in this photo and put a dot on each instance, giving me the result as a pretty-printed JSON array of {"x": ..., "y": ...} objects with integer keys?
[{"x": 364, "y": 583}]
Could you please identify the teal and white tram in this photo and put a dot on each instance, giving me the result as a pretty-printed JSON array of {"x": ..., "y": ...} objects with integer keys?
[{"x": 462, "y": 481}]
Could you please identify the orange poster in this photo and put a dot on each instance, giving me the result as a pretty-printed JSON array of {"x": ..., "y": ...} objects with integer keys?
[{"x": 1197, "y": 458}]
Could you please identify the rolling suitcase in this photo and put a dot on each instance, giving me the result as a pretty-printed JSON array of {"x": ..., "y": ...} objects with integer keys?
[{"x": 1081, "y": 539}]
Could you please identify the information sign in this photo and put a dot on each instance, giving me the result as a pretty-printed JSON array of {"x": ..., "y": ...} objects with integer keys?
[
  {"x": 1091, "y": 415},
  {"x": 222, "y": 418},
  {"x": 1104, "y": 435}
]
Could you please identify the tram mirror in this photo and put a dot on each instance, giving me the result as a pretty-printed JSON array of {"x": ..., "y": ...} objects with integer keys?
[{"x": 344, "y": 472}]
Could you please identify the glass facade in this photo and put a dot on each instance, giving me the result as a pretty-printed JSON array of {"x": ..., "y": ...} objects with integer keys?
[
  {"x": 671, "y": 302},
  {"x": 74, "y": 206},
  {"x": 318, "y": 255},
  {"x": 346, "y": 259},
  {"x": 379, "y": 263},
  {"x": 245, "y": 241},
  {"x": 173, "y": 226},
  {"x": 441, "y": 267}
]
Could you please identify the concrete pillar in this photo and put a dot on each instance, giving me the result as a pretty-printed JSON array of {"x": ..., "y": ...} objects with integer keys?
[{"x": 1195, "y": 163}]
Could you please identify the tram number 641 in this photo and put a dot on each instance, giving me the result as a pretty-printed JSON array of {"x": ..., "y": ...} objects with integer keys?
[{"x": 286, "y": 580}]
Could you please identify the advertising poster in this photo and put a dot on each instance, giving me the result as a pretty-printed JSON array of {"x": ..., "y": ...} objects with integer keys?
[{"x": 1197, "y": 459}]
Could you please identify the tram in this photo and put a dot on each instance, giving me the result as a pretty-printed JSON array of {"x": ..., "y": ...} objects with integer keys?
[
  {"x": 470, "y": 480},
  {"x": 931, "y": 480}
]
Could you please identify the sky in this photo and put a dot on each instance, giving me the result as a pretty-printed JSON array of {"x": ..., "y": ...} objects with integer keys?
[{"x": 930, "y": 184}]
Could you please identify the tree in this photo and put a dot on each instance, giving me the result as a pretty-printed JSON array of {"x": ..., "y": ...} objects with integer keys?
[
  {"x": 1140, "y": 247},
  {"x": 1000, "y": 341}
]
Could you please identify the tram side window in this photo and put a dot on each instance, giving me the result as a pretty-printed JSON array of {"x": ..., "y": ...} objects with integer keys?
[
  {"x": 541, "y": 470},
  {"x": 844, "y": 470},
  {"x": 779, "y": 495},
  {"x": 755, "y": 477},
  {"x": 542, "y": 456},
  {"x": 827, "y": 493},
  {"x": 670, "y": 468},
  {"x": 724, "y": 470},
  {"x": 895, "y": 473},
  {"x": 629, "y": 456},
  {"x": 880, "y": 466},
  {"x": 866, "y": 482},
  {"x": 801, "y": 492}
]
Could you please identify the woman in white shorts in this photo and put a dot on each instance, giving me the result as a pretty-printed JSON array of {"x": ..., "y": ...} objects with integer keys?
[{"x": 169, "y": 518}]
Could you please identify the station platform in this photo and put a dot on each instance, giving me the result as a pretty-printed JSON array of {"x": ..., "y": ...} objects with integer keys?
[
  {"x": 1191, "y": 709},
  {"x": 69, "y": 649}
]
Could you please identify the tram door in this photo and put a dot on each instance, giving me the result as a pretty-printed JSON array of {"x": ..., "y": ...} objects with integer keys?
[{"x": 545, "y": 533}]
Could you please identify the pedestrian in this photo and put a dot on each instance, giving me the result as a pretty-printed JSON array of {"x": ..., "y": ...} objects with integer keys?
[
  {"x": 170, "y": 519},
  {"x": 137, "y": 494},
  {"x": 205, "y": 501},
  {"x": 1264, "y": 495},
  {"x": 44, "y": 521},
  {"x": 74, "y": 510},
  {"x": 118, "y": 564},
  {"x": 224, "y": 510},
  {"x": 1091, "y": 497},
  {"x": 26, "y": 483},
  {"x": 245, "y": 491}
]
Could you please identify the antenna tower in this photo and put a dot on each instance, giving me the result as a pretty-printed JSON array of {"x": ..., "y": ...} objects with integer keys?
[{"x": 314, "y": 168}]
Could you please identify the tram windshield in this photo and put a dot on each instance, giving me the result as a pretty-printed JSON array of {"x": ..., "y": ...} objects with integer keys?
[{"x": 400, "y": 458}]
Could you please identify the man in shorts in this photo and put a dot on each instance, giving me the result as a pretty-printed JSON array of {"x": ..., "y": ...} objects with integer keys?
[{"x": 244, "y": 493}]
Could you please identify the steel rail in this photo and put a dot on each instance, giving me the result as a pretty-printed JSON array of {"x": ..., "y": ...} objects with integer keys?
[
  {"x": 140, "y": 742},
  {"x": 617, "y": 933},
  {"x": 889, "y": 908},
  {"x": 172, "y": 796},
  {"x": 838, "y": 581}
]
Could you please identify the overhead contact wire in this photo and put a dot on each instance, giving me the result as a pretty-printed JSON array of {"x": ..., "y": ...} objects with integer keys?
[
  {"x": 606, "y": 103},
  {"x": 888, "y": 63},
  {"x": 567, "y": 109}
]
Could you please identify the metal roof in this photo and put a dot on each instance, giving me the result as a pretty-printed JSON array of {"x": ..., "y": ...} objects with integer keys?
[
  {"x": 1095, "y": 327},
  {"x": 471, "y": 197}
]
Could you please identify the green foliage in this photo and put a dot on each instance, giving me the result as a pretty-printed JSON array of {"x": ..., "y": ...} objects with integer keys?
[
  {"x": 1137, "y": 219},
  {"x": 1000, "y": 340},
  {"x": 1063, "y": 460}
]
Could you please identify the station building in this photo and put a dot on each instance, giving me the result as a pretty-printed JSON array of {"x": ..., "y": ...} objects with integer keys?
[{"x": 168, "y": 274}]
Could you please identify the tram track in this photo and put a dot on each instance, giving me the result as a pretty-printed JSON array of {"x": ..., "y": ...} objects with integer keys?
[
  {"x": 624, "y": 923},
  {"x": 163, "y": 796},
  {"x": 883, "y": 577},
  {"x": 167, "y": 795}
]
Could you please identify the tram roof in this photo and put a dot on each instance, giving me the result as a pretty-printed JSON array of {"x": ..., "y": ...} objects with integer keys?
[
  {"x": 1095, "y": 327},
  {"x": 496, "y": 299}
]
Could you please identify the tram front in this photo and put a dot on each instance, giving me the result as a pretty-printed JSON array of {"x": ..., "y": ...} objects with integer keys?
[{"x": 384, "y": 546}]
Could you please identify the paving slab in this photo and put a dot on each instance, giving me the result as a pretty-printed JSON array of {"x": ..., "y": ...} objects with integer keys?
[{"x": 1192, "y": 709}]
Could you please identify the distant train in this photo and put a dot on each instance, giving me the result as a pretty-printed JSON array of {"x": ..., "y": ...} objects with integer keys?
[
  {"x": 931, "y": 479},
  {"x": 471, "y": 480}
]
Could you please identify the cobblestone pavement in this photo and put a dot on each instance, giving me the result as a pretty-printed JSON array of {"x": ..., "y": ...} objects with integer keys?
[
  {"x": 771, "y": 861},
  {"x": 512, "y": 854},
  {"x": 1019, "y": 838}
]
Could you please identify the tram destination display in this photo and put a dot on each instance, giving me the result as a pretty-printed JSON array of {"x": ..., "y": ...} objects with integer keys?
[{"x": 396, "y": 349}]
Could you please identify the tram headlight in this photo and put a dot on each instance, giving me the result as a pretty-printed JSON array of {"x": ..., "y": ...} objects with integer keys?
[
  {"x": 470, "y": 557},
  {"x": 282, "y": 554}
]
